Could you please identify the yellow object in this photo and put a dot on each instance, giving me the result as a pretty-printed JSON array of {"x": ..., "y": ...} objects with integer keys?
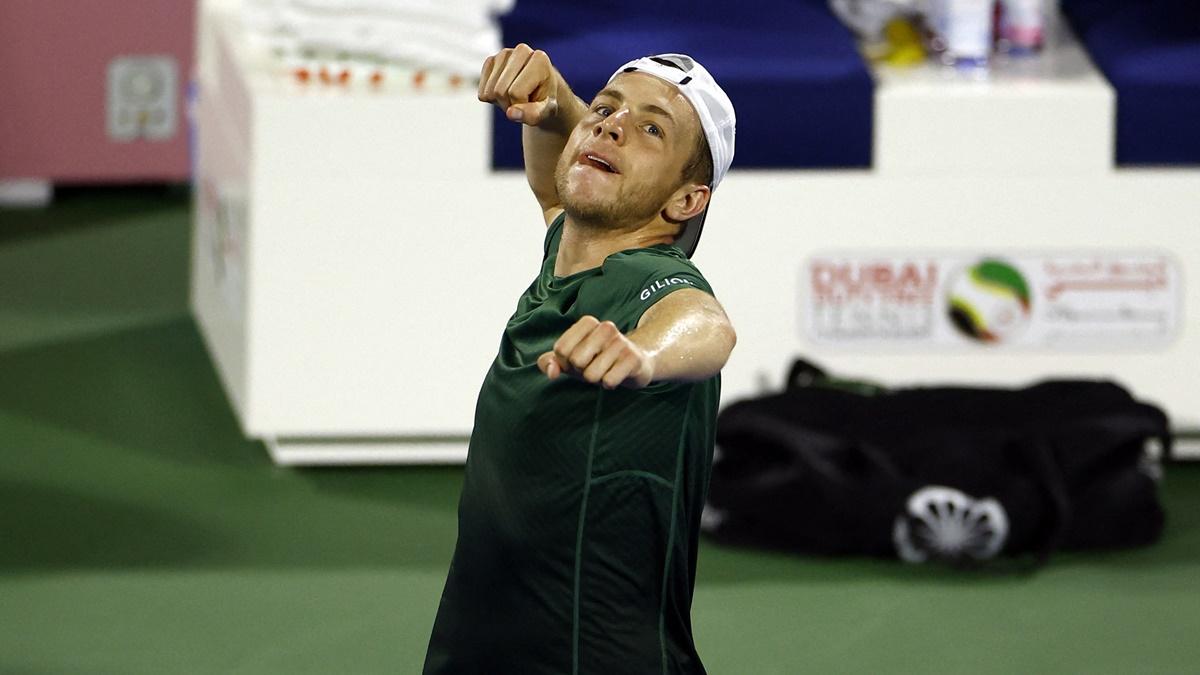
[{"x": 903, "y": 42}]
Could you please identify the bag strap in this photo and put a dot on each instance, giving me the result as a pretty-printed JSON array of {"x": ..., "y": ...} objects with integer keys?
[{"x": 805, "y": 373}]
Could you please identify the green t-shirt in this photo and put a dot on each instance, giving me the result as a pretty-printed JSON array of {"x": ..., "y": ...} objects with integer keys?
[{"x": 580, "y": 512}]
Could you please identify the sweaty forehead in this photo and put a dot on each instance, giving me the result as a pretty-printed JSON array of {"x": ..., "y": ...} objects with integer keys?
[{"x": 645, "y": 89}]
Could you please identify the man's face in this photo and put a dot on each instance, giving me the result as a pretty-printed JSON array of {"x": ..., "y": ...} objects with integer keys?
[{"x": 625, "y": 159}]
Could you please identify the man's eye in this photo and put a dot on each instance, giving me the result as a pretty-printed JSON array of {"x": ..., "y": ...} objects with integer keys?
[
  {"x": 653, "y": 130},
  {"x": 603, "y": 110}
]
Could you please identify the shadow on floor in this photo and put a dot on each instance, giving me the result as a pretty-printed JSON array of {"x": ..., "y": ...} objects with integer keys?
[
  {"x": 85, "y": 206},
  {"x": 46, "y": 528},
  {"x": 149, "y": 388},
  {"x": 145, "y": 465}
]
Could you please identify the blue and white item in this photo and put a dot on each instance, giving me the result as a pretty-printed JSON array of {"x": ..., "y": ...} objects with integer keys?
[{"x": 966, "y": 28}]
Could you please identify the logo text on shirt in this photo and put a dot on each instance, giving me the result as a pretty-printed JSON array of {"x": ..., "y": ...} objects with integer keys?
[{"x": 661, "y": 284}]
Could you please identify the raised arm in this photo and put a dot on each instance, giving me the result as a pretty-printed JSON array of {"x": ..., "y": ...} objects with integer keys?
[
  {"x": 686, "y": 336},
  {"x": 531, "y": 91}
]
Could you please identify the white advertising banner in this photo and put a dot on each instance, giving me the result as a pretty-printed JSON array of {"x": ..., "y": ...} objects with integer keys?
[{"x": 1058, "y": 301}]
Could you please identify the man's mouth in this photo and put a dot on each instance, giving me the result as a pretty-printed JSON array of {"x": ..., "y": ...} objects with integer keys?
[{"x": 597, "y": 162}]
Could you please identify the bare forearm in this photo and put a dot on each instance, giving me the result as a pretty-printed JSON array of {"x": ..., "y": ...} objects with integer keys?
[
  {"x": 543, "y": 144},
  {"x": 686, "y": 344},
  {"x": 523, "y": 83},
  {"x": 684, "y": 337}
]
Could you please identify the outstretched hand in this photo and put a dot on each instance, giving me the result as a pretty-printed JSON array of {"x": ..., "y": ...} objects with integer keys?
[
  {"x": 522, "y": 82},
  {"x": 596, "y": 352}
]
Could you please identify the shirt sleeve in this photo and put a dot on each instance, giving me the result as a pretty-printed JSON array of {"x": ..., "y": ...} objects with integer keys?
[{"x": 633, "y": 283}]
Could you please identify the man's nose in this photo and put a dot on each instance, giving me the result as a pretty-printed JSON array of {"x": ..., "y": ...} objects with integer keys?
[{"x": 613, "y": 125}]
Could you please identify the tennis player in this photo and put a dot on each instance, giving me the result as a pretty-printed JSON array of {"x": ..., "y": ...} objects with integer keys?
[{"x": 589, "y": 461}]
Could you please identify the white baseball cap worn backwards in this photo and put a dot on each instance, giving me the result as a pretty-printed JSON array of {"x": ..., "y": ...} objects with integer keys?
[{"x": 712, "y": 106}]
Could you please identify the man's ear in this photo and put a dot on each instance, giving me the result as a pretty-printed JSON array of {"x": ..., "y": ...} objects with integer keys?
[{"x": 687, "y": 202}]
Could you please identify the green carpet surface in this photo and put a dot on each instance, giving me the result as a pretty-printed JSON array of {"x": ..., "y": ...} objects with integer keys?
[{"x": 141, "y": 533}]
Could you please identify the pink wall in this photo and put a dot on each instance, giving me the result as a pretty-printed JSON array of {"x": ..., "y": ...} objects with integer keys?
[{"x": 54, "y": 56}]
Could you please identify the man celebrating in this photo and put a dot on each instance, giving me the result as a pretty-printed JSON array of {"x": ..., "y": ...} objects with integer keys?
[{"x": 589, "y": 461}]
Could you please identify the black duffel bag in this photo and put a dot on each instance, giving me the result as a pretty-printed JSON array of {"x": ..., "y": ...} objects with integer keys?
[{"x": 947, "y": 473}]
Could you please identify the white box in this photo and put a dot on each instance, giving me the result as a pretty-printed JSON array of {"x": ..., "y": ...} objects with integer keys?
[{"x": 1050, "y": 115}]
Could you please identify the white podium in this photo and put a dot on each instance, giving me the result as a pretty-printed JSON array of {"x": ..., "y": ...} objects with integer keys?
[{"x": 355, "y": 258}]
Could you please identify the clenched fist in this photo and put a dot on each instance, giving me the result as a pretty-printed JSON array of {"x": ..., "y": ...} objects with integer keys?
[
  {"x": 522, "y": 82},
  {"x": 596, "y": 352}
]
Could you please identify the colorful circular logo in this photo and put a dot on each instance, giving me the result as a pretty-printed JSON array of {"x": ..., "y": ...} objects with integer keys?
[{"x": 989, "y": 301}]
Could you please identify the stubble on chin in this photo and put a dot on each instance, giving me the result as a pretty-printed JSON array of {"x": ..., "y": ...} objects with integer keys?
[{"x": 614, "y": 214}]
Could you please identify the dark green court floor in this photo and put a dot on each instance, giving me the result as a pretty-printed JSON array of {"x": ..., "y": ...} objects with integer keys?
[{"x": 140, "y": 533}]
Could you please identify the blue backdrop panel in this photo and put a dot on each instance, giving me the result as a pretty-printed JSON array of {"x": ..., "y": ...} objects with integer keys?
[
  {"x": 1150, "y": 51},
  {"x": 801, "y": 90}
]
